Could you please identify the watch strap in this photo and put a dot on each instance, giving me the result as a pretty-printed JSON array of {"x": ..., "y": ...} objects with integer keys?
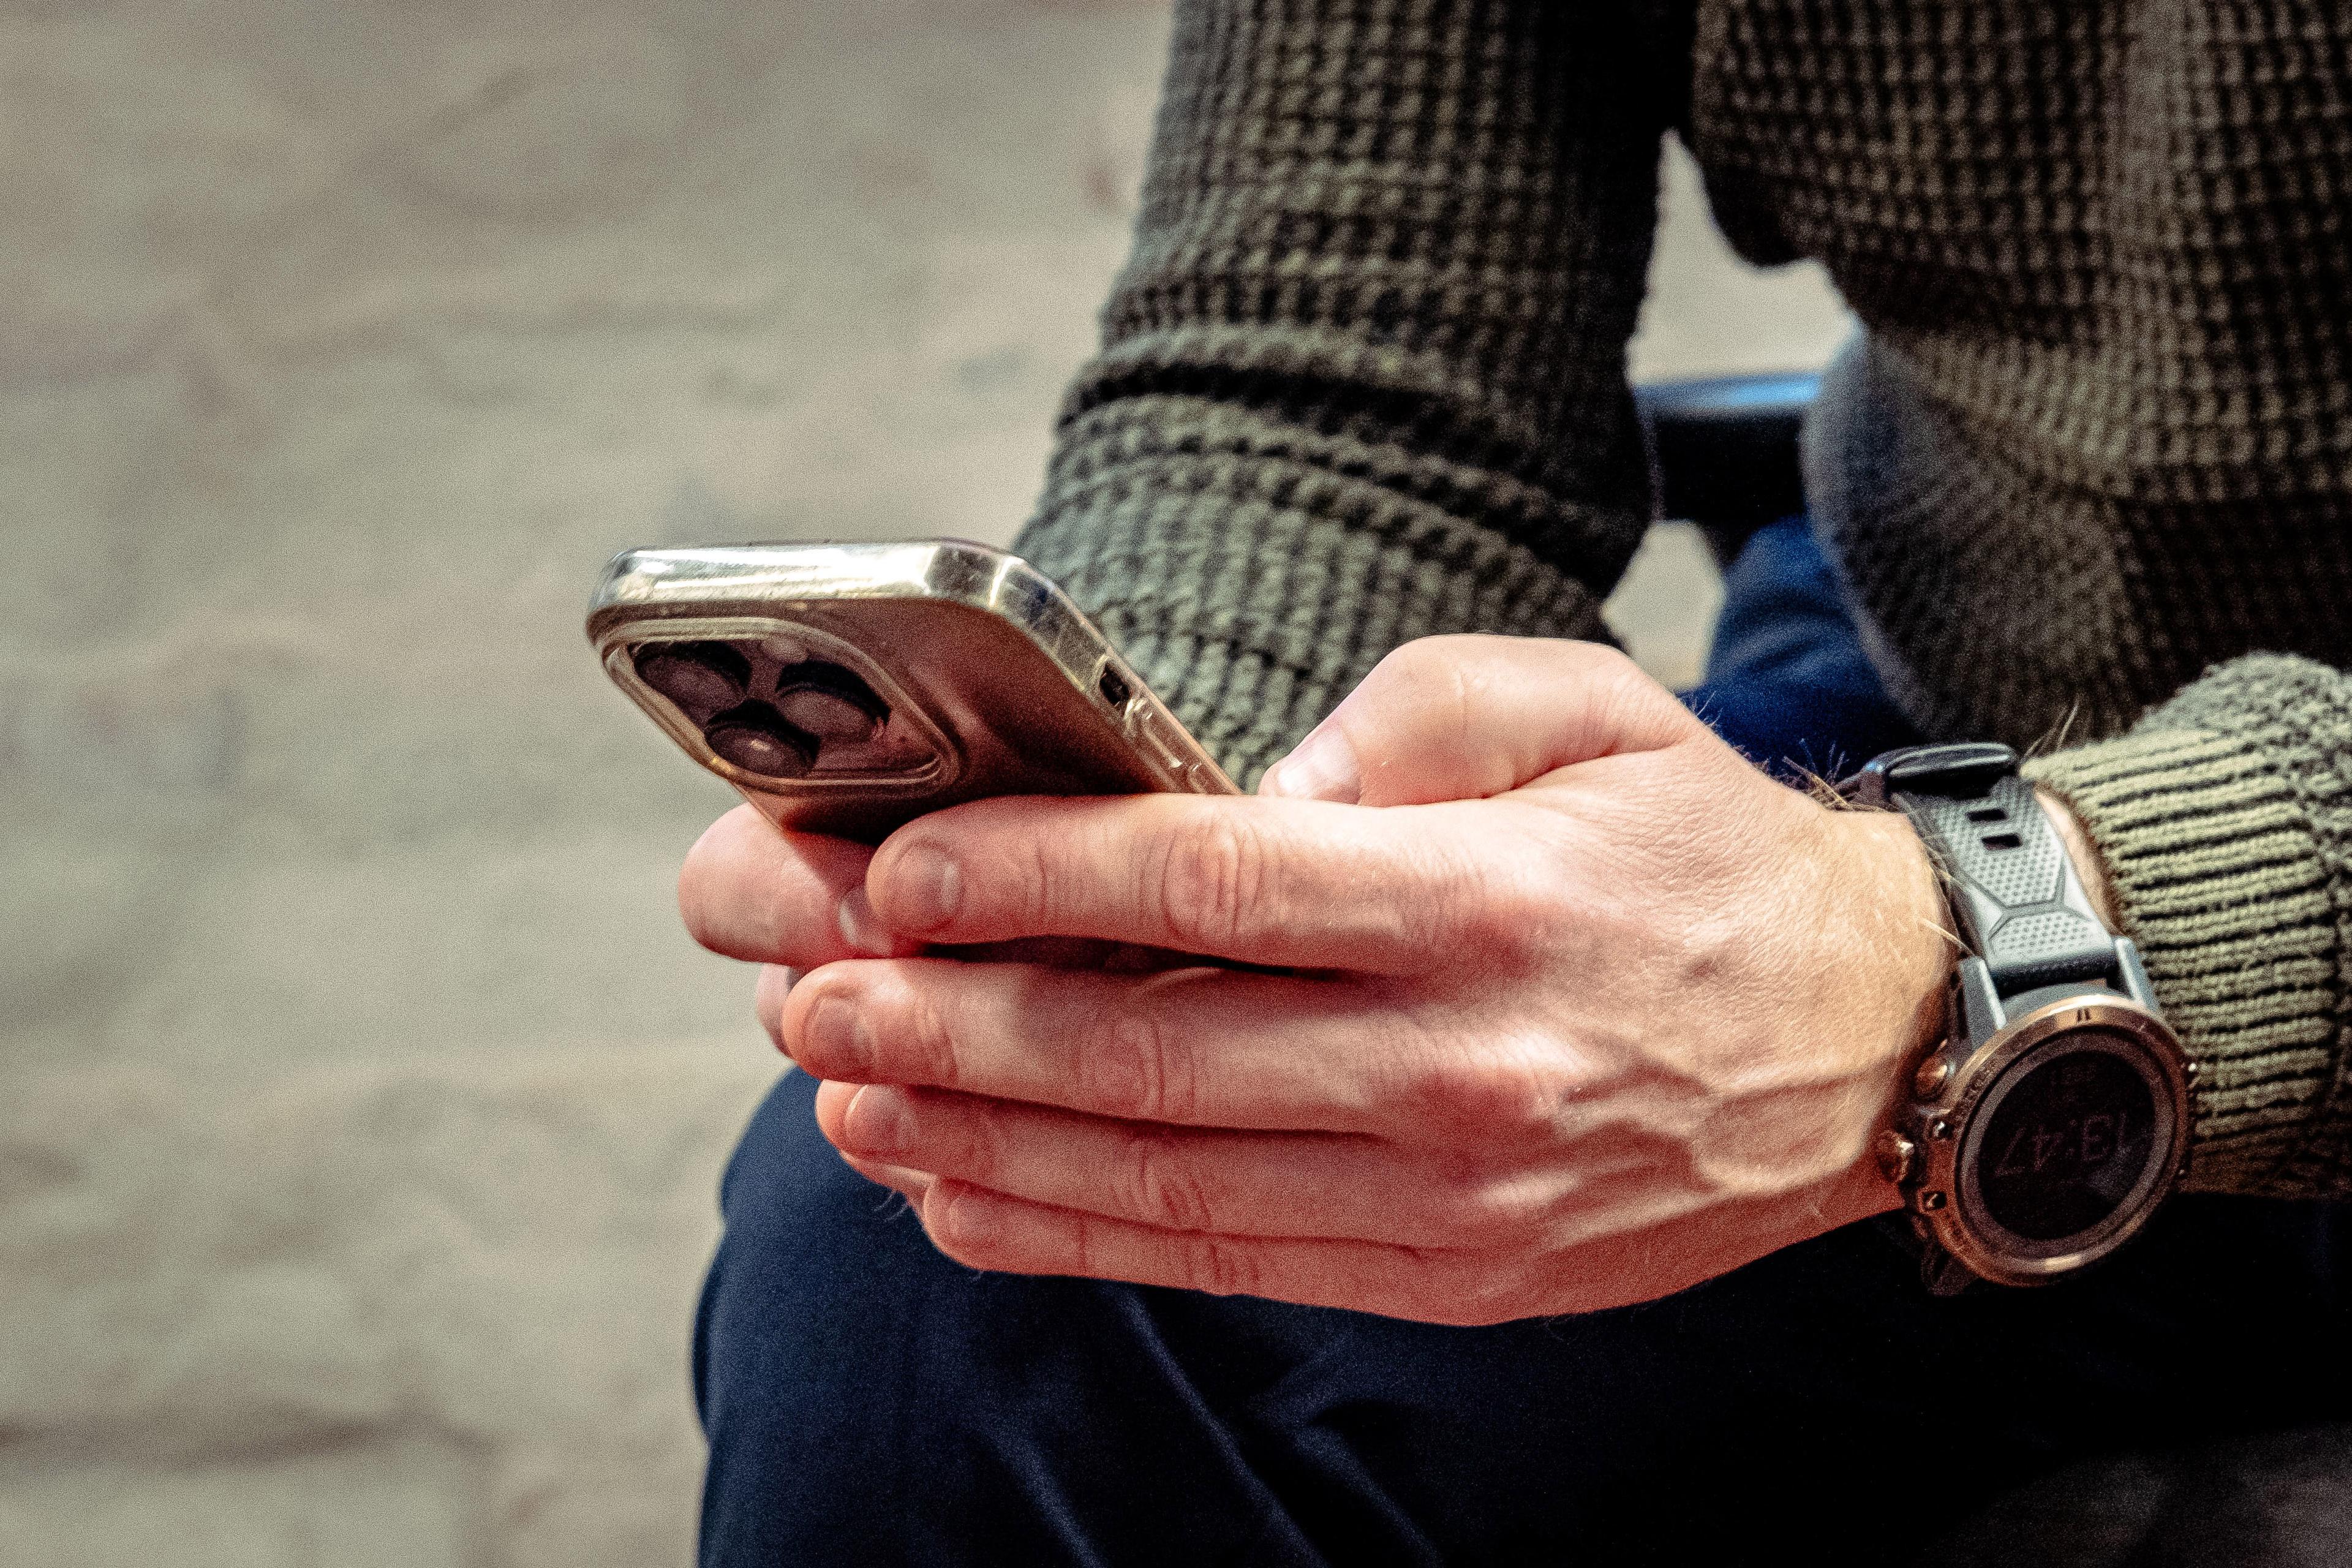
[
  {"x": 2018, "y": 901},
  {"x": 2039, "y": 959}
]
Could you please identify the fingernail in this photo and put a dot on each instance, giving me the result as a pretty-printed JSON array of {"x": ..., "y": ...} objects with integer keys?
[
  {"x": 926, "y": 889},
  {"x": 859, "y": 928},
  {"x": 836, "y": 1037},
  {"x": 878, "y": 1122},
  {"x": 1322, "y": 768},
  {"x": 974, "y": 1218}
]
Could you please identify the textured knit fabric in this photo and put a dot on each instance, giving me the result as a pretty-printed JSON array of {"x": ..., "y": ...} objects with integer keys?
[
  {"x": 2226, "y": 820},
  {"x": 1362, "y": 381}
]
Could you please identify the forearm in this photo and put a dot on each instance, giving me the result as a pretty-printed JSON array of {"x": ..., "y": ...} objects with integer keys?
[
  {"x": 2223, "y": 826},
  {"x": 1363, "y": 378}
]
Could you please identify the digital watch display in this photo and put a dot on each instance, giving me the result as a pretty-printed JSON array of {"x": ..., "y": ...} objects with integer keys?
[
  {"x": 2062, "y": 1144},
  {"x": 2052, "y": 1119}
]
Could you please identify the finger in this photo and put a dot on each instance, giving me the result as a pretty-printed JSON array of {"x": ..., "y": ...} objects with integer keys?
[
  {"x": 1297, "y": 1184},
  {"x": 990, "y": 1230},
  {"x": 775, "y": 983},
  {"x": 753, "y": 892},
  {"x": 908, "y": 1183},
  {"x": 1289, "y": 884},
  {"x": 1196, "y": 1046},
  {"x": 1072, "y": 952},
  {"x": 1461, "y": 718}
]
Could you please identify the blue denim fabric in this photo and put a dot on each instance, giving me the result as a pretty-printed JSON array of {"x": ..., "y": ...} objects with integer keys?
[
  {"x": 1787, "y": 679},
  {"x": 868, "y": 1401}
]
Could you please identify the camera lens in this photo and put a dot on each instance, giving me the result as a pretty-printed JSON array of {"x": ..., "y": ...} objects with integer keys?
[
  {"x": 699, "y": 677},
  {"x": 823, "y": 699},
  {"x": 756, "y": 737}
]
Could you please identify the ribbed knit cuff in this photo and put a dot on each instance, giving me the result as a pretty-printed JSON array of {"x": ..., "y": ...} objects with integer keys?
[
  {"x": 1252, "y": 592},
  {"x": 2224, "y": 820}
]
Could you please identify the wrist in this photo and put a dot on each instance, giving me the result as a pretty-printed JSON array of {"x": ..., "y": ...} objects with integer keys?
[
  {"x": 1916, "y": 949},
  {"x": 1910, "y": 952},
  {"x": 2043, "y": 1135},
  {"x": 2083, "y": 853}
]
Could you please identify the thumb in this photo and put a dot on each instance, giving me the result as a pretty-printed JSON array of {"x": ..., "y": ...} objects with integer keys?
[{"x": 1460, "y": 718}]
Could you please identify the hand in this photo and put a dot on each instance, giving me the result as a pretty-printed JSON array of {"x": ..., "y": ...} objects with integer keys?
[
  {"x": 787, "y": 901},
  {"x": 1557, "y": 1003}
]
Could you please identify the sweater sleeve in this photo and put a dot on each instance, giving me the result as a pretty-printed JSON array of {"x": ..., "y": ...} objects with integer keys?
[
  {"x": 2224, "y": 820},
  {"x": 1362, "y": 377}
]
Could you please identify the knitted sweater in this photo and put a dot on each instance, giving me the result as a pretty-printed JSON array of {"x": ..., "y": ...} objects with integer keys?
[{"x": 1362, "y": 380}]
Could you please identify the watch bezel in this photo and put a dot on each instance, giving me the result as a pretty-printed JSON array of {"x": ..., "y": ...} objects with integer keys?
[{"x": 1953, "y": 1130}]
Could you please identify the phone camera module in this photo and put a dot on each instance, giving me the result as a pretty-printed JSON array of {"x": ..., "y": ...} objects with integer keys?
[
  {"x": 821, "y": 698},
  {"x": 759, "y": 740},
  {"x": 701, "y": 678}
]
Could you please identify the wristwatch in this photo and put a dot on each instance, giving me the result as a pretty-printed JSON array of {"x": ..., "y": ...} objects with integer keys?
[{"x": 2052, "y": 1118}]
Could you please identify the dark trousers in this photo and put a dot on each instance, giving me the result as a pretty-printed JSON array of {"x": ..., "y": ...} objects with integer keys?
[{"x": 868, "y": 1401}]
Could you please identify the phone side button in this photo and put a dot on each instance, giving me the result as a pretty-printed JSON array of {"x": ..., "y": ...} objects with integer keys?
[{"x": 1152, "y": 737}]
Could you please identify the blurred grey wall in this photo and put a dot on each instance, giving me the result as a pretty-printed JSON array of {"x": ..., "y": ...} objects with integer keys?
[{"x": 361, "y": 1102}]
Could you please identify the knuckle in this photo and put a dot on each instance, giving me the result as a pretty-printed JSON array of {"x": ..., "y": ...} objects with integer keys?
[
  {"x": 1482, "y": 1210},
  {"x": 918, "y": 1033},
  {"x": 1030, "y": 884},
  {"x": 1541, "y": 924},
  {"x": 1628, "y": 696},
  {"x": 1083, "y": 1244},
  {"x": 1136, "y": 1071},
  {"x": 1485, "y": 1098},
  {"x": 1423, "y": 658},
  {"x": 1495, "y": 912},
  {"x": 954, "y": 1138},
  {"x": 1419, "y": 654},
  {"x": 1164, "y": 1188},
  {"x": 1514, "y": 1095},
  {"x": 1601, "y": 667},
  {"x": 1482, "y": 1289},
  {"x": 1218, "y": 1267},
  {"x": 1611, "y": 664},
  {"x": 1427, "y": 689},
  {"x": 1430, "y": 1095},
  {"x": 1211, "y": 879}
]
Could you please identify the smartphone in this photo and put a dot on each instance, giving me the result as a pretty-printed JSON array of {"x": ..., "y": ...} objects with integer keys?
[{"x": 847, "y": 688}]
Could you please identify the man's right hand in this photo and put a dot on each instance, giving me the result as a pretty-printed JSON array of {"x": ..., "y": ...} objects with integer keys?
[{"x": 1539, "y": 999}]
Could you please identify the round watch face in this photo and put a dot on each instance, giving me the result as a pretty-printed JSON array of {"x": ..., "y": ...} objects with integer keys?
[{"x": 2067, "y": 1143}]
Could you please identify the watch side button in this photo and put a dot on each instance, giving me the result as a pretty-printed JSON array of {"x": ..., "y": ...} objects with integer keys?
[
  {"x": 1933, "y": 1075},
  {"x": 1898, "y": 1156}
]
